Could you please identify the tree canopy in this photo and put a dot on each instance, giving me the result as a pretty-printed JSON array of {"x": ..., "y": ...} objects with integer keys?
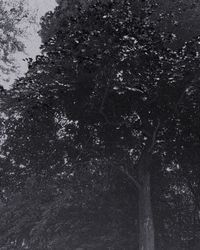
[{"x": 102, "y": 134}]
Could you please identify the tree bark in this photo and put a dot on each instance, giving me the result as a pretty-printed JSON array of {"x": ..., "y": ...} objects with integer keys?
[{"x": 146, "y": 225}]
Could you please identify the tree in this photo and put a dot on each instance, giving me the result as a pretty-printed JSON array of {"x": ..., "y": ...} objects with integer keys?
[
  {"x": 12, "y": 26},
  {"x": 119, "y": 93}
]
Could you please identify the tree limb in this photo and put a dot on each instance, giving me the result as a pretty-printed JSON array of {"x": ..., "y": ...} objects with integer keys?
[
  {"x": 153, "y": 142},
  {"x": 130, "y": 177}
]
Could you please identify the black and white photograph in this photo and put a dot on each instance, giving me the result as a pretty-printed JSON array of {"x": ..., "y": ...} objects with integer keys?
[{"x": 99, "y": 125}]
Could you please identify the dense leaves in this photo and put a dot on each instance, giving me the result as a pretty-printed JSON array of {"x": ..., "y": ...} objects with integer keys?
[{"x": 109, "y": 93}]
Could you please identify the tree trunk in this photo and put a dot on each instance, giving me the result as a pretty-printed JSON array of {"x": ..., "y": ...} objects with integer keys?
[{"x": 146, "y": 225}]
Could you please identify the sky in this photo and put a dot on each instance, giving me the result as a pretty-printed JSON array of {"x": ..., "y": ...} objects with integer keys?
[
  {"x": 41, "y": 6},
  {"x": 32, "y": 40}
]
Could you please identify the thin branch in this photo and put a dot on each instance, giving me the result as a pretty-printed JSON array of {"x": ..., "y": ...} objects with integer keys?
[
  {"x": 130, "y": 177},
  {"x": 153, "y": 142}
]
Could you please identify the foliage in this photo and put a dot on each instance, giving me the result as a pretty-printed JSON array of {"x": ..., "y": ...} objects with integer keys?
[
  {"x": 13, "y": 18},
  {"x": 108, "y": 89}
]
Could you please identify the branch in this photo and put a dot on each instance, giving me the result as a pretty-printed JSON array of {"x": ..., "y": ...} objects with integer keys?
[
  {"x": 130, "y": 177},
  {"x": 153, "y": 142}
]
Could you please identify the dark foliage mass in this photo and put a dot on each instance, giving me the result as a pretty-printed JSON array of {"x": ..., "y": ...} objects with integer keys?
[{"x": 102, "y": 134}]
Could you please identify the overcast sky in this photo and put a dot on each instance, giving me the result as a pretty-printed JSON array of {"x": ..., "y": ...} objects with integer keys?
[
  {"x": 41, "y": 6},
  {"x": 32, "y": 40}
]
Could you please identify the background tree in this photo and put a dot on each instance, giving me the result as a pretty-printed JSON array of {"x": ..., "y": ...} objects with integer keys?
[{"x": 13, "y": 23}]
